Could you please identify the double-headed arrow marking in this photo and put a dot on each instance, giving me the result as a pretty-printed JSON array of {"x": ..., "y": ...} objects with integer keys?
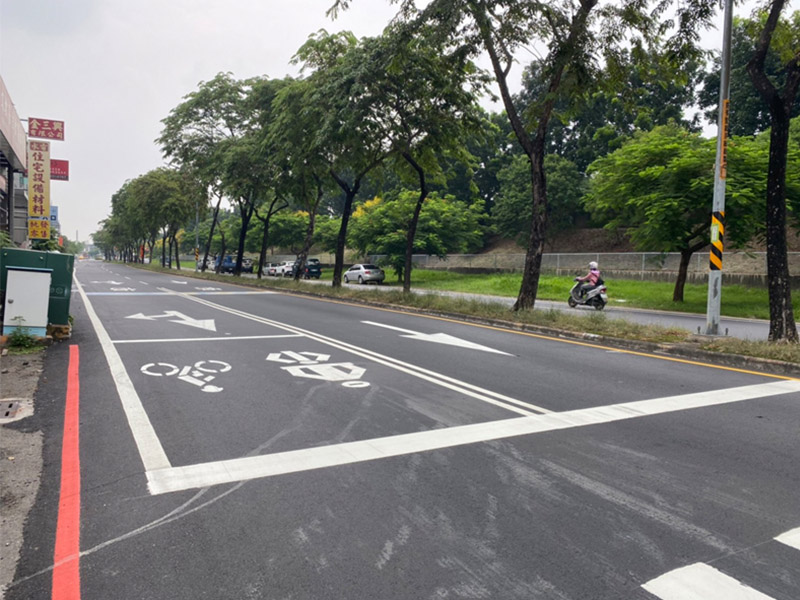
[
  {"x": 438, "y": 338},
  {"x": 176, "y": 317}
]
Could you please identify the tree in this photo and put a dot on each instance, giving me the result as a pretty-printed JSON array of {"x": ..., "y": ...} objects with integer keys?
[
  {"x": 424, "y": 101},
  {"x": 748, "y": 114},
  {"x": 194, "y": 133},
  {"x": 512, "y": 210},
  {"x": 576, "y": 35},
  {"x": 299, "y": 154},
  {"x": 786, "y": 39},
  {"x": 658, "y": 185},
  {"x": 445, "y": 225},
  {"x": 351, "y": 143}
]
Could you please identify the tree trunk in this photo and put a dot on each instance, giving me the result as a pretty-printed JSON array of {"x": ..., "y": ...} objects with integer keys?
[
  {"x": 246, "y": 209},
  {"x": 164, "y": 249},
  {"x": 262, "y": 256},
  {"x": 412, "y": 226},
  {"x": 338, "y": 262},
  {"x": 312, "y": 219},
  {"x": 683, "y": 270},
  {"x": 782, "y": 325},
  {"x": 211, "y": 233},
  {"x": 177, "y": 251}
]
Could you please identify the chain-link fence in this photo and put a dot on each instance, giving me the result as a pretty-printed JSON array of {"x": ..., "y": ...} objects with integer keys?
[{"x": 749, "y": 268}]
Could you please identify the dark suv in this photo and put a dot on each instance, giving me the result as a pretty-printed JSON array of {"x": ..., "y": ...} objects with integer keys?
[{"x": 312, "y": 268}]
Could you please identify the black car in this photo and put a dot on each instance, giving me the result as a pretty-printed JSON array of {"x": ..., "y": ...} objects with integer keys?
[{"x": 312, "y": 268}]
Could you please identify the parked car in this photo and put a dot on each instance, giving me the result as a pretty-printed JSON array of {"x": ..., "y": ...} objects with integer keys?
[
  {"x": 364, "y": 274},
  {"x": 271, "y": 269},
  {"x": 311, "y": 269},
  {"x": 227, "y": 265},
  {"x": 207, "y": 264},
  {"x": 286, "y": 268},
  {"x": 247, "y": 265}
]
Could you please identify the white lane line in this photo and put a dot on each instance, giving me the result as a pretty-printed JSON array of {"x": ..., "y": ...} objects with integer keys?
[
  {"x": 150, "y": 449},
  {"x": 241, "y": 469},
  {"x": 209, "y": 339},
  {"x": 701, "y": 582},
  {"x": 488, "y": 396},
  {"x": 790, "y": 538}
]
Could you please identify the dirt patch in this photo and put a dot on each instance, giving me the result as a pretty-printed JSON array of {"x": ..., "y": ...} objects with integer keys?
[{"x": 20, "y": 458}]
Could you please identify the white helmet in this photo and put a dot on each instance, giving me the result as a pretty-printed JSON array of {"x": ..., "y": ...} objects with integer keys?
[{"x": 592, "y": 265}]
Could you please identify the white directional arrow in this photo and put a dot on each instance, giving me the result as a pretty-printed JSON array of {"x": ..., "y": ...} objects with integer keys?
[
  {"x": 124, "y": 289},
  {"x": 176, "y": 317},
  {"x": 438, "y": 338},
  {"x": 111, "y": 282}
]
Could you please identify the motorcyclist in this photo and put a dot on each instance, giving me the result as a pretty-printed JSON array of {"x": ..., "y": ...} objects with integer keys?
[{"x": 590, "y": 280}]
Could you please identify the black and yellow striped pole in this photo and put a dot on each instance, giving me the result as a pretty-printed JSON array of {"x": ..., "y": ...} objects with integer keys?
[{"x": 720, "y": 175}]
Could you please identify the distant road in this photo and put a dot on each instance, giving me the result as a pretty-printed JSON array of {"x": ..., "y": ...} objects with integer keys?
[{"x": 748, "y": 329}]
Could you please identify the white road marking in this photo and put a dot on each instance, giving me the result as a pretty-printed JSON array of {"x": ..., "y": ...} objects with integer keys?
[
  {"x": 174, "y": 479},
  {"x": 438, "y": 338},
  {"x": 150, "y": 449},
  {"x": 790, "y": 538},
  {"x": 701, "y": 582},
  {"x": 178, "y": 317},
  {"x": 209, "y": 339},
  {"x": 488, "y": 396}
]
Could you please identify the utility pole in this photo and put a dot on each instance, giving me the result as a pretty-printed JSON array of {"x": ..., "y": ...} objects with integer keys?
[{"x": 720, "y": 175}]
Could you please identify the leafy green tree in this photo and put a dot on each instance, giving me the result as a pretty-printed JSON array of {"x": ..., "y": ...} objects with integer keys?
[
  {"x": 288, "y": 230},
  {"x": 658, "y": 187},
  {"x": 512, "y": 210},
  {"x": 351, "y": 142},
  {"x": 644, "y": 94},
  {"x": 445, "y": 226},
  {"x": 424, "y": 101},
  {"x": 747, "y": 114},
  {"x": 783, "y": 36},
  {"x": 299, "y": 153},
  {"x": 576, "y": 35},
  {"x": 197, "y": 132}
]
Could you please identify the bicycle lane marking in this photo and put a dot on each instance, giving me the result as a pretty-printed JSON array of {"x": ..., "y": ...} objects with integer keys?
[
  {"x": 147, "y": 442},
  {"x": 66, "y": 557}
]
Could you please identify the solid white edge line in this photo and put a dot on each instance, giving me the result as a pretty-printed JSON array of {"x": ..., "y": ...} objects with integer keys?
[
  {"x": 241, "y": 469},
  {"x": 150, "y": 449},
  {"x": 701, "y": 582},
  {"x": 790, "y": 538}
]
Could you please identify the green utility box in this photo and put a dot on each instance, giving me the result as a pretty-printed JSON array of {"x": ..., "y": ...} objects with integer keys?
[{"x": 62, "y": 267}]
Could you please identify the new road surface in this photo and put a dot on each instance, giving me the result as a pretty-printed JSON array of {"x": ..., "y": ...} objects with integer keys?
[{"x": 204, "y": 440}]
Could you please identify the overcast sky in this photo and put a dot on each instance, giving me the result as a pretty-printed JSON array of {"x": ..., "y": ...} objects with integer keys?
[{"x": 112, "y": 69}]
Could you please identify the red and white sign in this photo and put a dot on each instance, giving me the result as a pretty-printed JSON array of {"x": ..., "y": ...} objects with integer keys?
[
  {"x": 45, "y": 128},
  {"x": 59, "y": 170}
]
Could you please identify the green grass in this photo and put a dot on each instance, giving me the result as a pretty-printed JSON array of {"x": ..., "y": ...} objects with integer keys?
[{"x": 737, "y": 300}]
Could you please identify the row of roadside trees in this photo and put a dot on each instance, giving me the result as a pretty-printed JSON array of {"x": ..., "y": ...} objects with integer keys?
[{"x": 401, "y": 111}]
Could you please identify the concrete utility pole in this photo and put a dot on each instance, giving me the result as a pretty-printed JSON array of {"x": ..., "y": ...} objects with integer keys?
[{"x": 720, "y": 174}]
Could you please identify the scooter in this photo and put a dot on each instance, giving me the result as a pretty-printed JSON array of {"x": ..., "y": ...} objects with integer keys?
[{"x": 596, "y": 297}]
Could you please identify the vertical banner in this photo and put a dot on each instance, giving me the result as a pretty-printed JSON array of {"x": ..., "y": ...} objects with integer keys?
[{"x": 38, "y": 190}]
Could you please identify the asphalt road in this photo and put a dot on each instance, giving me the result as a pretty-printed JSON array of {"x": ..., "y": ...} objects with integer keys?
[{"x": 245, "y": 444}]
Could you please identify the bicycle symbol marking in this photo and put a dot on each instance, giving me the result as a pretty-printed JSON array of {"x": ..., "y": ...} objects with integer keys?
[
  {"x": 313, "y": 365},
  {"x": 199, "y": 374}
]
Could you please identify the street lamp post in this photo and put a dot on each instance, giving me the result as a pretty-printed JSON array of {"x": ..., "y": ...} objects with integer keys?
[{"x": 720, "y": 175}]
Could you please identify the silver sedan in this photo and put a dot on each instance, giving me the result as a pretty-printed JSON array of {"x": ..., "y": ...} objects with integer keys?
[{"x": 364, "y": 274}]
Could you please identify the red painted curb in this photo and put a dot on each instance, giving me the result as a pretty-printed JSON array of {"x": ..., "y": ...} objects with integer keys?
[{"x": 66, "y": 560}]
